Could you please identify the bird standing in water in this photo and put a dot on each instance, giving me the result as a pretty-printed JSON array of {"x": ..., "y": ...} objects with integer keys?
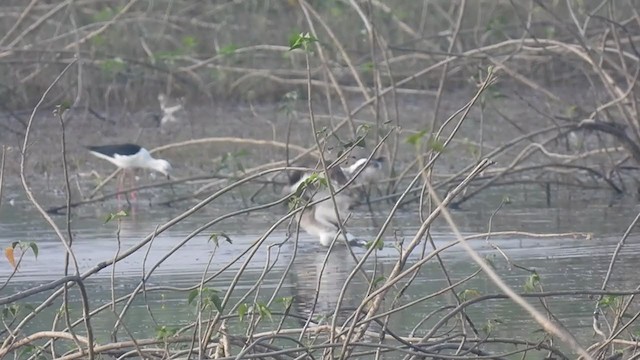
[
  {"x": 130, "y": 156},
  {"x": 321, "y": 219},
  {"x": 371, "y": 173},
  {"x": 367, "y": 174}
]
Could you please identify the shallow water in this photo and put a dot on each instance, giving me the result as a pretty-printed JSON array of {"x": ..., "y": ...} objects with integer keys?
[{"x": 563, "y": 263}]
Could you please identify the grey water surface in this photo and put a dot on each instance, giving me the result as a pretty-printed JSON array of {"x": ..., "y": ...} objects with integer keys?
[{"x": 563, "y": 263}]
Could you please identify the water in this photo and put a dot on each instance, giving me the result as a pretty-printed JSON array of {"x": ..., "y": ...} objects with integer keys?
[{"x": 563, "y": 263}]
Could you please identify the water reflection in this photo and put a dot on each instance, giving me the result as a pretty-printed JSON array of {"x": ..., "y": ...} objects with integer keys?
[
  {"x": 562, "y": 263},
  {"x": 317, "y": 279}
]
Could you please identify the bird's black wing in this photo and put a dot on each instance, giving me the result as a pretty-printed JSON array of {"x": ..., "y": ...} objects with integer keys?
[{"x": 119, "y": 149}]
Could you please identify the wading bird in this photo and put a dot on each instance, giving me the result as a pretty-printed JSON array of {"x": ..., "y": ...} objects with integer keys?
[
  {"x": 169, "y": 109},
  {"x": 366, "y": 175},
  {"x": 370, "y": 174},
  {"x": 130, "y": 156},
  {"x": 321, "y": 219}
]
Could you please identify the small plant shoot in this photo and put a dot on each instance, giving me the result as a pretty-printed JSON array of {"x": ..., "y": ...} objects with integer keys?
[
  {"x": 22, "y": 247},
  {"x": 301, "y": 41},
  {"x": 209, "y": 297},
  {"x": 215, "y": 237},
  {"x": 116, "y": 216},
  {"x": 532, "y": 283}
]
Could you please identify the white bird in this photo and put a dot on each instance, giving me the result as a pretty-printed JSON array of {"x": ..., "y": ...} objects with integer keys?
[
  {"x": 321, "y": 219},
  {"x": 169, "y": 109},
  {"x": 367, "y": 173},
  {"x": 130, "y": 156},
  {"x": 370, "y": 174}
]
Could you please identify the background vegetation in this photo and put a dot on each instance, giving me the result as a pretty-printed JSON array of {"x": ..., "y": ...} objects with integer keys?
[{"x": 458, "y": 95}]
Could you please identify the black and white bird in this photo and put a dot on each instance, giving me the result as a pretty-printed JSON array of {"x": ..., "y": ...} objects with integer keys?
[
  {"x": 170, "y": 108},
  {"x": 321, "y": 219},
  {"x": 371, "y": 173},
  {"x": 130, "y": 156}
]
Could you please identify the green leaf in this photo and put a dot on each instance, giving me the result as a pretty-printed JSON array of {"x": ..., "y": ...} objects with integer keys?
[
  {"x": 34, "y": 248},
  {"x": 608, "y": 301},
  {"x": 367, "y": 67},
  {"x": 64, "y": 105},
  {"x": 239, "y": 165},
  {"x": 294, "y": 202},
  {"x": 215, "y": 238},
  {"x": 313, "y": 179},
  {"x": 468, "y": 294},
  {"x": 189, "y": 42},
  {"x": 119, "y": 215},
  {"x": 491, "y": 325},
  {"x": 435, "y": 145},
  {"x": 164, "y": 332},
  {"x": 286, "y": 301},
  {"x": 242, "y": 153},
  {"x": 571, "y": 111},
  {"x": 415, "y": 139},
  {"x": 11, "y": 311},
  {"x": 105, "y": 14},
  {"x": 301, "y": 41},
  {"x": 228, "y": 50},
  {"x": 98, "y": 40},
  {"x": 112, "y": 66},
  {"x": 264, "y": 311},
  {"x": 497, "y": 23},
  {"x": 23, "y": 246},
  {"x": 167, "y": 55},
  {"x": 377, "y": 244},
  {"x": 532, "y": 281},
  {"x": 192, "y": 295},
  {"x": 363, "y": 129},
  {"x": 242, "y": 310},
  {"x": 378, "y": 280},
  {"x": 550, "y": 32},
  {"x": 215, "y": 300},
  {"x": 26, "y": 351},
  {"x": 224, "y": 159}
]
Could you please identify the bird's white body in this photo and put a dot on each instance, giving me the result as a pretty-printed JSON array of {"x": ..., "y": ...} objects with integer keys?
[
  {"x": 141, "y": 159},
  {"x": 370, "y": 174},
  {"x": 313, "y": 224},
  {"x": 322, "y": 220},
  {"x": 169, "y": 109},
  {"x": 129, "y": 156}
]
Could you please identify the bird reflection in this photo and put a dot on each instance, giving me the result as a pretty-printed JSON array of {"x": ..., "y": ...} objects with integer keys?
[{"x": 317, "y": 284}]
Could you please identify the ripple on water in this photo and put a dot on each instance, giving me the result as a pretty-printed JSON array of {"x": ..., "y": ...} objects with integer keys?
[{"x": 562, "y": 263}]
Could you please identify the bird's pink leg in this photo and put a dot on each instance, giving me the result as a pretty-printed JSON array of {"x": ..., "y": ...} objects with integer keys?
[
  {"x": 134, "y": 194},
  {"x": 120, "y": 185}
]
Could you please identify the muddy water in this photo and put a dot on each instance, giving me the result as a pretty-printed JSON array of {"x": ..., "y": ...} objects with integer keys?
[{"x": 563, "y": 263}]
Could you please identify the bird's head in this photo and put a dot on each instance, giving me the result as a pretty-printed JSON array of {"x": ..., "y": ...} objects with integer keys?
[{"x": 163, "y": 167}]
